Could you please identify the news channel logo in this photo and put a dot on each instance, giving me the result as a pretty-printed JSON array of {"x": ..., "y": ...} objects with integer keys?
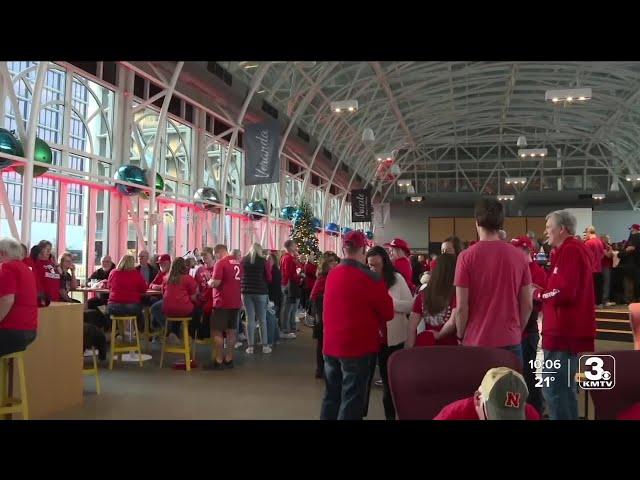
[{"x": 597, "y": 372}]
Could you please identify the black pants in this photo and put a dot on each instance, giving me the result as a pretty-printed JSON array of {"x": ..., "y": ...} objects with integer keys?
[
  {"x": 93, "y": 337},
  {"x": 387, "y": 400},
  {"x": 597, "y": 287},
  {"x": 12, "y": 341},
  {"x": 633, "y": 272},
  {"x": 317, "y": 334},
  {"x": 529, "y": 350}
]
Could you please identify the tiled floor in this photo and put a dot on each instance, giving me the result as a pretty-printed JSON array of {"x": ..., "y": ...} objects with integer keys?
[{"x": 277, "y": 386}]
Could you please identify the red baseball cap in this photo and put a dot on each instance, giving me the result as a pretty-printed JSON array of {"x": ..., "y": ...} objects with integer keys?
[
  {"x": 635, "y": 226},
  {"x": 399, "y": 243},
  {"x": 522, "y": 242},
  {"x": 355, "y": 239},
  {"x": 165, "y": 257}
]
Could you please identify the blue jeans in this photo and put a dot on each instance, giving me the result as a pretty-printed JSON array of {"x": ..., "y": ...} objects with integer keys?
[
  {"x": 157, "y": 317},
  {"x": 256, "y": 307},
  {"x": 562, "y": 394},
  {"x": 346, "y": 387},
  {"x": 127, "y": 309},
  {"x": 272, "y": 328}
]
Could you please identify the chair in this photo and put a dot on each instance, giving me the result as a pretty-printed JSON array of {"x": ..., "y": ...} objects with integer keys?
[
  {"x": 184, "y": 348},
  {"x": 609, "y": 403},
  {"x": 425, "y": 379},
  {"x": 124, "y": 347},
  {"x": 634, "y": 318},
  {"x": 9, "y": 405},
  {"x": 93, "y": 370}
]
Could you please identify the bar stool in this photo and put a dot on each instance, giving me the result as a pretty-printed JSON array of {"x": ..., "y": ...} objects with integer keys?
[
  {"x": 184, "y": 348},
  {"x": 124, "y": 347},
  {"x": 94, "y": 370},
  {"x": 13, "y": 405}
]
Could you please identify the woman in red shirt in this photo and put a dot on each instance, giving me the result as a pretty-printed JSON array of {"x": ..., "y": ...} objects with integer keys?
[
  {"x": 434, "y": 307},
  {"x": 204, "y": 279},
  {"x": 46, "y": 271},
  {"x": 18, "y": 304},
  {"x": 329, "y": 260},
  {"x": 180, "y": 292},
  {"x": 126, "y": 287}
]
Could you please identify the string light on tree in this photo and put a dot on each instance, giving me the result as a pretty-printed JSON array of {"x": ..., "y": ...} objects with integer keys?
[{"x": 303, "y": 231}]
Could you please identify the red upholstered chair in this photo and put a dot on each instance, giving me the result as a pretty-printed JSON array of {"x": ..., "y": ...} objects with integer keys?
[
  {"x": 425, "y": 379},
  {"x": 634, "y": 318},
  {"x": 609, "y": 403}
]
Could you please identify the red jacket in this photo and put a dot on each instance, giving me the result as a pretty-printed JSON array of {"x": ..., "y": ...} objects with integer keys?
[
  {"x": 568, "y": 301},
  {"x": 288, "y": 266},
  {"x": 356, "y": 305},
  {"x": 403, "y": 265},
  {"x": 538, "y": 277},
  {"x": 318, "y": 287}
]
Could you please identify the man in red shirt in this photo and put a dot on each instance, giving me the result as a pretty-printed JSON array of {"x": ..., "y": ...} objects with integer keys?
[
  {"x": 531, "y": 334},
  {"x": 227, "y": 302},
  {"x": 502, "y": 395},
  {"x": 493, "y": 293},
  {"x": 356, "y": 305},
  {"x": 569, "y": 326},
  {"x": 290, "y": 288},
  {"x": 18, "y": 299},
  {"x": 597, "y": 250},
  {"x": 400, "y": 254},
  {"x": 164, "y": 262}
]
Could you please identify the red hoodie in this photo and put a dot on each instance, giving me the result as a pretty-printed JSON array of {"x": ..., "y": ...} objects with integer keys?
[
  {"x": 568, "y": 301},
  {"x": 403, "y": 266},
  {"x": 288, "y": 267},
  {"x": 597, "y": 249},
  {"x": 309, "y": 270}
]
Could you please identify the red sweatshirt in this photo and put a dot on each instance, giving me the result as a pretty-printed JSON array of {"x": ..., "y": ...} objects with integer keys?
[
  {"x": 538, "y": 277},
  {"x": 568, "y": 301},
  {"x": 309, "y": 270},
  {"x": 318, "y": 287},
  {"x": 126, "y": 286},
  {"x": 596, "y": 249},
  {"x": 160, "y": 278},
  {"x": 177, "y": 298},
  {"x": 288, "y": 266},
  {"x": 203, "y": 275},
  {"x": 356, "y": 305}
]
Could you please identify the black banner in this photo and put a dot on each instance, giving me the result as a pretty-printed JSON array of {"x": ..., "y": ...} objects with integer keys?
[
  {"x": 261, "y": 143},
  {"x": 360, "y": 205}
]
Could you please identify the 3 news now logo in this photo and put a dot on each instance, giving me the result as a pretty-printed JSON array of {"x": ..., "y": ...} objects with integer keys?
[{"x": 597, "y": 372}]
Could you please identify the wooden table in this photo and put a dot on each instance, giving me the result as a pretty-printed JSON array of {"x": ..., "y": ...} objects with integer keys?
[
  {"x": 86, "y": 290},
  {"x": 54, "y": 362}
]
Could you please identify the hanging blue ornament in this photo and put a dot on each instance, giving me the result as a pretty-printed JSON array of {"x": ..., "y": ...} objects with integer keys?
[
  {"x": 288, "y": 212},
  {"x": 346, "y": 230},
  {"x": 255, "y": 210},
  {"x": 369, "y": 234},
  {"x": 333, "y": 229},
  {"x": 131, "y": 174},
  {"x": 317, "y": 224}
]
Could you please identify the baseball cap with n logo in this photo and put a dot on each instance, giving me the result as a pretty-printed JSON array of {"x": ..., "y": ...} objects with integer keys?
[{"x": 505, "y": 393}]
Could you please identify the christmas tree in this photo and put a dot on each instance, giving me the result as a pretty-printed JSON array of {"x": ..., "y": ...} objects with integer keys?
[{"x": 303, "y": 231}]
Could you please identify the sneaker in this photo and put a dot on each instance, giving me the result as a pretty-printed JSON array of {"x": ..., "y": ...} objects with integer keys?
[
  {"x": 173, "y": 339},
  {"x": 249, "y": 351},
  {"x": 228, "y": 364},
  {"x": 378, "y": 383},
  {"x": 242, "y": 337},
  {"x": 288, "y": 335},
  {"x": 266, "y": 349},
  {"x": 610, "y": 304},
  {"x": 238, "y": 345}
]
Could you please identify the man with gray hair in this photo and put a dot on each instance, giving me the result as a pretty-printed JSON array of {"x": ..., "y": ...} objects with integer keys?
[
  {"x": 18, "y": 299},
  {"x": 569, "y": 326}
]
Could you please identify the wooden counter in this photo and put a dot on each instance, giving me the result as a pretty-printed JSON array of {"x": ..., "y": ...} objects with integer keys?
[{"x": 53, "y": 362}]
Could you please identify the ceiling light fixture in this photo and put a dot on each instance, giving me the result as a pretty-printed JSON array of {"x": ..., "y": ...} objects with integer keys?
[
  {"x": 568, "y": 95},
  {"x": 416, "y": 199},
  {"x": 598, "y": 196},
  {"x": 506, "y": 198},
  {"x": 532, "y": 152},
  {"x": 515, "y": 180},
  {"x": 348, "y": 105}
]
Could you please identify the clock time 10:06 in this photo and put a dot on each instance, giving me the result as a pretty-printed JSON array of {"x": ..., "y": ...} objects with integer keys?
[{"x": 545, "y": 364}]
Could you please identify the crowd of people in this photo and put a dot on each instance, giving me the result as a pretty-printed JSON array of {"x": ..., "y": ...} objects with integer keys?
[{"x": 368, "y": 304}]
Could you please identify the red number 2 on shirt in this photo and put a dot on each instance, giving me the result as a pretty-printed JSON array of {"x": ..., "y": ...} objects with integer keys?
[{"x": 237, "y": 269}]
